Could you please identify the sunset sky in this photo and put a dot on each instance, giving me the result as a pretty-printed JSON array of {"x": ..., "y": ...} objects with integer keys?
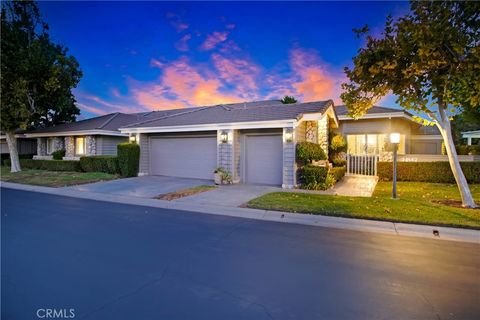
[{"x": 156, "y": 55}]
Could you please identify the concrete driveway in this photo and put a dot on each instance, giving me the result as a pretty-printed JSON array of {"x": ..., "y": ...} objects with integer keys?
[
  {"x": 143, "y": 187},
  {"x": 229, "y": 195}
]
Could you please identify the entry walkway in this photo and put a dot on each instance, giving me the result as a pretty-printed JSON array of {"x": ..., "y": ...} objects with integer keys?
[{"x": 356, "y": 186}]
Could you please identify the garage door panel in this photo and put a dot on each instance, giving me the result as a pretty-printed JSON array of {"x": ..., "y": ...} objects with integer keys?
[
  {"x": 264, "y": 159},
  {"x": 184, "y": 157}
]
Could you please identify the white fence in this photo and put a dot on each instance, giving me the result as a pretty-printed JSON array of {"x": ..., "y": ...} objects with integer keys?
[
  {"x": 365, "y": 165},
  {"x": 434, "y": 157}
]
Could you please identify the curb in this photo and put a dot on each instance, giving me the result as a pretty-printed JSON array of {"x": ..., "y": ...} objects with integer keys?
[{"x": 393, "y": 228}]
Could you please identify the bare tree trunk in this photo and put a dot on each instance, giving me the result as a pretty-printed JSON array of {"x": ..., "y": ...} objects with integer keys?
[
  {"x": 445, "y": 129},
  {"x": 12, "y": 148}
]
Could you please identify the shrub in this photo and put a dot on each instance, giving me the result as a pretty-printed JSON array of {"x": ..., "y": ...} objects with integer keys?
[
  {"x": 50, "y": 165},
  {"x": 309, "y": 151},
  {"x": 438, "y": 172},
  {"x": 58, "y": 155},
  {"x": 466, "y": 149},
  {"x": 339, "y": 162},
  {"x": 338, "y": 173},
  {"x": 108, "y": 164},
  {"x": 6, "y": 156},
  {"x": 316, "y": 178},
  {"x": 128, "y": 158},
  {"x": 338, "y": 143}
]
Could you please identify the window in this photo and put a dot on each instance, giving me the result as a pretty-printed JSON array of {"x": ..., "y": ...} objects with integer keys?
[
  {"x": 50, "y": 145},
  {"x": 371, "y": 143},
  {"x": 80, "y": 146}
]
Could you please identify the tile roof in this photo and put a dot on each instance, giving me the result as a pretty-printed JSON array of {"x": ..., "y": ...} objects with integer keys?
[
  {"x": 342, "y": 110},
  {"x": 231, "y": 113},
  {"x": 110, "y": 122}
]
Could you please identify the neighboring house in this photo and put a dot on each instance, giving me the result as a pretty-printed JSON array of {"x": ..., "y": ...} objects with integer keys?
[
  {"x": 255, "y": 141},
  {"x": 25, "y": 146},
  {"x": 95, "y": 136},
  {"x": 470, "y": 135}
]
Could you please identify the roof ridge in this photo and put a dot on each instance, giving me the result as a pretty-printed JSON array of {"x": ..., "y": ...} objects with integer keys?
[
  {"x": 169, "y": 116},
  {"x": 108, "y": 120}
]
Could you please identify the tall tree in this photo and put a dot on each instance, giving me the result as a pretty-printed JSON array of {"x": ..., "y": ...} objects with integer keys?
[
  {"x": 37, "y": 75},
  {"x": 429, "y": 59}
]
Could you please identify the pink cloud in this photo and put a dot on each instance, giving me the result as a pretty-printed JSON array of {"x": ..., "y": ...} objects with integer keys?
[
  {"x": 156, "y": 63},
  {"x": 240, "y": 73},
  {"x": 182, "y": 44},
  {"x": 230, "y": 26},
  {"x": 183, "y": 84},
  {"x": 91, "y": 109},
  {"x": 176, "y": 22},
  {"x": 214, "y": 39}
]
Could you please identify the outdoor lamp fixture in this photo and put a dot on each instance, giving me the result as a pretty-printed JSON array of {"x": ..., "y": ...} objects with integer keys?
[
  {"x": 394, "y": 140},
  {"x": 224, "y": 136},
  {"x": 133, "y": 138},
  {"x": 288, "y": 135}
]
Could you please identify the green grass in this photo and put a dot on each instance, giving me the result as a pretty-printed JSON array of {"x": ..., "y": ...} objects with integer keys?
[
  {"x": 53, "y": 178},
  {"x": 417, "y": 204}
]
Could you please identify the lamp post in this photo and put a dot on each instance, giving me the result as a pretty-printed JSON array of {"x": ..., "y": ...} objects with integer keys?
[{"x": 394, "y": 140}]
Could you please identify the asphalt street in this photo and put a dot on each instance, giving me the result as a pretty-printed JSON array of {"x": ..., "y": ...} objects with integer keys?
[{"x": 114, "y": 261}]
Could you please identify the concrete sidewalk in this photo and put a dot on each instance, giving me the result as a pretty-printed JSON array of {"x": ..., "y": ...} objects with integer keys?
[{"x": 402, "y": 229}]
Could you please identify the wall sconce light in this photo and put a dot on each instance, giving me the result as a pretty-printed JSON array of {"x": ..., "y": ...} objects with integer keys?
[
  {"x": 288, "y": 135},
  {"x": 132, "y": 138},
  {"x": 224, "y": 136}
]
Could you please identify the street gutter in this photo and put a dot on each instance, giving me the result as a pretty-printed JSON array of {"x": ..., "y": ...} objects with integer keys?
[{"x": 385, "y": 227}]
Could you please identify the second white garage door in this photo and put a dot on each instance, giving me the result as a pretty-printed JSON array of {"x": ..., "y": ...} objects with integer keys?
[
  {"x": 263, "y": 159},
  {"x": 184, "y": 157}
]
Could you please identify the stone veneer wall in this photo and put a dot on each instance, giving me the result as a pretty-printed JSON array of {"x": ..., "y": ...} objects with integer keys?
[
  {"x": 69, "y": 147},
  {"x": 91, "y": 145},
  {"x": 311, "y": 131},
  {"x": 41, "y": 146},
  {"x": 323, "y": 126},
  {"x": 225, "y": 151},
  {"x": 236, "y": 155},
  {"x": 144, "y": 142},
  {"x": 58, "y": 143},
  {"x": 289, "y": 165}
]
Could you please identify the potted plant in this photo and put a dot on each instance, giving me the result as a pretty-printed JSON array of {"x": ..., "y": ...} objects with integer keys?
[{"x": 222, "y": 176}]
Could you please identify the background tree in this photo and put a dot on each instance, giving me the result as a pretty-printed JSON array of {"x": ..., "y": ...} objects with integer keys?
[
  {"x": 37, "y": 76},
  {"x": 288, "y": 100},
  {"x": 430, "y": 59},
  {"x": 467, "y": 120}
]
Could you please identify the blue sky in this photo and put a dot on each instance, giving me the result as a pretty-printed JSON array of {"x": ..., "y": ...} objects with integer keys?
[{"x": 140, "y": 56}]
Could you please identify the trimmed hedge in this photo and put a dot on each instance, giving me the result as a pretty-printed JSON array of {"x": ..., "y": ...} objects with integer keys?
[
  {"x": 339, "y": 162},
  {"x": 128, "y": 159},
  {"x": 438, "y": 172},
  {"x": 50, "y": 165},
  {"x": 309, "y": 151},
  {"x": 107, "y": 164},
  {"x": 6, "y": 156},
  {"x": 466, "y": 149},
  {"x": 316, "y": 178},
  {"x": 338, "y": 172},
  {"x": 58, "y": 155}
]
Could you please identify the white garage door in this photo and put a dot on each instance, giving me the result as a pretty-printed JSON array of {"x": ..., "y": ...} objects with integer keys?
[
  {"x": 264, "y": 159},
  {"x": 183, "y": 157}
]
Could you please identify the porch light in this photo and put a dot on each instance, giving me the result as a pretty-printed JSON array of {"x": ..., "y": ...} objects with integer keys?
[
  {"x": 133, "y": 138},
  {"x": 224, "y": 136},
  {"x": 394, "y": 140},
  {"x": 288, "y": 135}
]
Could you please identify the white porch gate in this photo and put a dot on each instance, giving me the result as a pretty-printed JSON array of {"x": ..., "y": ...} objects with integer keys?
[{"x": 365, "y": 165}]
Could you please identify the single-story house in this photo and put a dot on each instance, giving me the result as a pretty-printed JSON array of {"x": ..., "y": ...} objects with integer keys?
[
  {"x": 470, "y": 135},
  {"x": 254, "y": 141},
  {"x": 94, "y": 136}
]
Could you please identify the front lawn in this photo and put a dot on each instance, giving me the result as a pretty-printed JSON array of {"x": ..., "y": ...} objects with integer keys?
[
  {"x": 53, "y": 178},
  {"x": 419, "y": 203}
]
